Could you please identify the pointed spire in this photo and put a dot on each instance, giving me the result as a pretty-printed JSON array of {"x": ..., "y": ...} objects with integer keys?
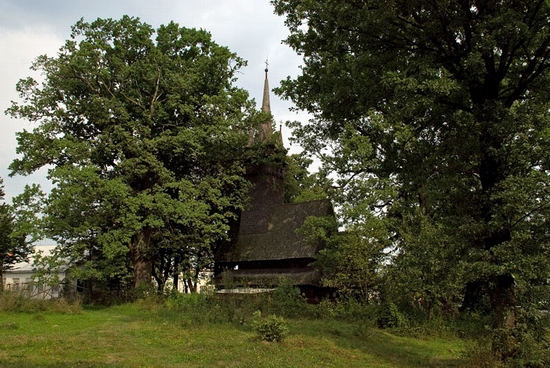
[
  {"x": 266, "y": 106},
  {"x": 266, "y": 130}
]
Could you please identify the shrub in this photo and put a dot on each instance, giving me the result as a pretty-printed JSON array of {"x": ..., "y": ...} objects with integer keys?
[
  {"x": 390, "y": 317},
  {"x": 272, "y": 328},
  {"x": 348, "y": 309},
  {"x": 288, "y": 301}
]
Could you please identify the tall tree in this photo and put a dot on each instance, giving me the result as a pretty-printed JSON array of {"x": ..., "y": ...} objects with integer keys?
[
  {"x": 142, "y": 131},
  {"x": 446, "y": 102}
]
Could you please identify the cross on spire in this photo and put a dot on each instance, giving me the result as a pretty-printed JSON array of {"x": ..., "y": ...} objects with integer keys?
[
  {"x": 265, "y": 100},
  {"x": 265, "y": 128}
]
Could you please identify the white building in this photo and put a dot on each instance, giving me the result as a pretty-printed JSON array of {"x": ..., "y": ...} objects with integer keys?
[
  {"x": 21, "y": 278},
  {"x": 203, "y": 283}
]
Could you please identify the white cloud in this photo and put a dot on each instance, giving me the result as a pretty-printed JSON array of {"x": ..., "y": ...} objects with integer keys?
[{"x": 19, "y": 48}]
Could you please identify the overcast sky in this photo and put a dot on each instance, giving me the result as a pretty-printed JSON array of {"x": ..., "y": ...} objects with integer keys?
[{"x": 29, "y": 28}]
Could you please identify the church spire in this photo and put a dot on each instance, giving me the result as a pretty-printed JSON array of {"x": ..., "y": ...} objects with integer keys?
[
  {"x": 266, "y": 106},
  {"x": 266, "y": 129}
]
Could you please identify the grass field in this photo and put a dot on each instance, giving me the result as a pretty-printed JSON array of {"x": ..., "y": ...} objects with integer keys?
[{"x": 133, "y": 336}]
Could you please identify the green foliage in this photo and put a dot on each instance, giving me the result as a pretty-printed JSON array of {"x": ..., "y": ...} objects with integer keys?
[
  {"x": 287, "y": 301},
  {"x": 208, "y": 307},
  {"x": 196, "y": 306},
  {"x": 15, "y": 238},
  {"x": 351, "y": 264},
  {"x": 271, "y": 328},
  {"x": 144, "y": 133},
  {"x": 300, "y": 184},
  {"x": 47, "y": 269},
  {"x": 188, "y": 303},
  {"x": 348, "y": 309},
  {"x": 426, "y": 272},
  {"x": 436, "y": 116},
  {"x": 389, "y": 316}
]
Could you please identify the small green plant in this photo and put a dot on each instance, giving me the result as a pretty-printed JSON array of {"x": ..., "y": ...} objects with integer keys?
[{"x": 271, "y": 328}]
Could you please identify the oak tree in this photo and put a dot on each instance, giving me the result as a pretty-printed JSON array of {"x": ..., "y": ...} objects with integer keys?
[
  {"x": 142, "y": 132},
  {"x": 439, "y": 109}
]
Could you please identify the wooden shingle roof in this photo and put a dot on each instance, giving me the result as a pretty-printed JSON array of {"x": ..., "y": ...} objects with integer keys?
[{"x": 281, "y": 240}]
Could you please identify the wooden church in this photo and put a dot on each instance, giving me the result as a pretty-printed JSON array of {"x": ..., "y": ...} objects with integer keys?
[{"x": 266, "y": 246}]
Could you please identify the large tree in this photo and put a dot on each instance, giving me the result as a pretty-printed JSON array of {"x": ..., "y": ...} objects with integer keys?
[
  {"x": 438, "y": 114},
  {"x": 142, "y": 132}
]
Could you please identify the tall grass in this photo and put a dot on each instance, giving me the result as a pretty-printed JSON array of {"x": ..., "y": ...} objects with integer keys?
[
  {"x": 285, "y": 301},
  {"x": 17, "y": 302}
]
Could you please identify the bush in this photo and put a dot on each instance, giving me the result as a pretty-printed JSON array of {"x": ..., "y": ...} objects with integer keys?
[
  {"x": 390, "y": 317},
  {"x": 287, "y": 301},
  {"x": 348, "y": 309},
  {"x": 272, "y": 328}
]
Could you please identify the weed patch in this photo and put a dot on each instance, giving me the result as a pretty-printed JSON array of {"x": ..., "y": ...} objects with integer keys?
[{"x": 15, "y": 302}]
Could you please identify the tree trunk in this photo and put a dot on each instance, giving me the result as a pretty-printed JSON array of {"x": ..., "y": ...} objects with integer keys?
[
  {"x": 176, "y": 281},
  {"x": 192, "y": 285},
  {"x": 158, "y": 279},
  {"x": 503, "y": 302},
  {"x": 474, "y": 291},
  {"x": 492, "y": 172},
  {"x": 175, "y": 271},
  {"x": 142, "y": 258}
]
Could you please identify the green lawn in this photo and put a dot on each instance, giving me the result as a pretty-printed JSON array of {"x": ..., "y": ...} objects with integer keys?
[{"x": 129, "y": 336}]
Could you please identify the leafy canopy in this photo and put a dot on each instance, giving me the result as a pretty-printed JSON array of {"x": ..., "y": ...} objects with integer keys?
[
  {"x": 142, "y": 132},
  {"x": 435, "y": 116}
]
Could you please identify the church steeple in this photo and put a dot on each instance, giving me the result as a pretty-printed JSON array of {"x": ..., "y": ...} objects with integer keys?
[
  {"x": 266, "y": 106},
  {"x": 265, "y": 171},
  {"x": 266, "y": 129}
]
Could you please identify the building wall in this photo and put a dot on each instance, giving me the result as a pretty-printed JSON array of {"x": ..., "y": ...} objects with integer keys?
[
  {"x": 20, "y": 279},
  {"x": 22, "y": 282}
]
